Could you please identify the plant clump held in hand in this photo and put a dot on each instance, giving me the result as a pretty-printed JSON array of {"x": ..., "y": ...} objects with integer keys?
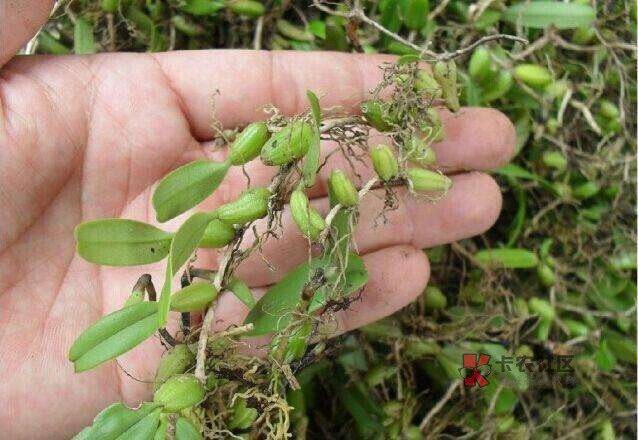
[{"x": 203, "y": 373}]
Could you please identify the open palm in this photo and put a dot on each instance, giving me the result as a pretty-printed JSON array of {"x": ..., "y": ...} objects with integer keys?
[{"x": 88, "y": 137}]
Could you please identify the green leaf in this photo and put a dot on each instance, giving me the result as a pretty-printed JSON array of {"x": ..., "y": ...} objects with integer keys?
[
  {"x": 144, "y": 429},
  {"x": 108, "y": 326},
  {"x": 273, "y": 310},
  {"x": 242, "y": 292},
  {"x": 121, "y": 242},
  {"x": 318, "y": 28},
  {"x": 202, "y": 7},
  {"x": 363, "y": 410},
  {"x": 184, "y": 244},
  {"x": 114, "y": 421},
  {"x": 507, "y": 258},
  {"x": 186, "y": 187},
  {"x": 516, "y": 227},
  {"x": 541, "y": 14},
  {"x": 184, "y": 430},
  {"x": 311, "y": 160},
  {"x": 83, "y": 42},
  {"x": 512, "y": 170},
  {"x": 113, "y": 335}
]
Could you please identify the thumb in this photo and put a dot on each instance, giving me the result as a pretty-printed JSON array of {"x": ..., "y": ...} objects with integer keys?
[{"x": 19, "y": 21}]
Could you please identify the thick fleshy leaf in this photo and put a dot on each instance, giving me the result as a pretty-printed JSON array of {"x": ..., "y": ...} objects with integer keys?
[
  {"x": 242, "y": 292},
  {"x": 184, "y": 430},
  {"x": 114, "y": 421},
  {"x": 541, "y": 14},
  {"x": 311, "y": 160},
  {"x": 273, "y": 310},
  {"x": 83, "y": 42},
  {"x": 121, "y": 242},
  {"x": 183, "y": 245},
  {"x": 186, "y": 187},
  {"x": 114, "y": 335},
  {"x": 109, "y": 325},
  {"x": 507, "y": 258},
  {"x": 144, "y": 429}
]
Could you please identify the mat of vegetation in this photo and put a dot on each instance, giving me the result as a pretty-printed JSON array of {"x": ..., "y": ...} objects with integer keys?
[{"x": 549, "y": 293}]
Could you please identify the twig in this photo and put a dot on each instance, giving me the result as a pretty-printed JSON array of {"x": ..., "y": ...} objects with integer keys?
[
  {"x": 587, "y": 114},
  {"x": 439, "y": 405},
  {"x": 234, "y": 331},
  {"x": 258, "y": 31},
  {"x": 200, "y": 366},
  {"x": 358, "y": 14},
  {"x": 457, "y": 53}
]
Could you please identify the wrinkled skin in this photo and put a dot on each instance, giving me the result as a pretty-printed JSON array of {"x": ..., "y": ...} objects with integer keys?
[{"x": 88, "y": 137}]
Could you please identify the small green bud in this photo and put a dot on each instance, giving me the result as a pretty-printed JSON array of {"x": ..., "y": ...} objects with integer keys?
[
  {"x": 377, "y": 115},
  {"x": 585, "y": 190},
  {"x": 546, "y": 275},
  {"x": 543, "y": 329},
  {"x": 384, "y": 162},
  {"x": 176, "y": 361},
  {"x": 562, "y": 190},
  {"x": 247, "y": 8},
  {"x": 552, "y": 125},
  {"x": 575, "y": 328},
  {"x": 608, "y": 109},
  {"x": 344, "y": 191},
  {"x": 413, "y": 432},
  {"x": 251, "y": 205},
  {"x": 480, "y": 68},
  {"x": 554, "y": 159},
  {"x": 310, "y": 225},
  {"x": 445, "y": 74},
  {"x": 533, "y": 75},
  {"x": 179, "y": 392},
  {"x": 425, "y": 83},
  {"x": 293, "y": 32},
  {"x": 505, "y": 424},
  {"x": 606, "y": 430},
  {"x": 545, "y": 247},
  {"x": 248, "y": 143},
  {"x": 542, "y": 308},
  {"x": 218, "y": 234},
  {"x": 499, "y": 87},
  {"x": 243, "y": 416},
  {"x": 426, "y": 180},
  {"x": 194, "y": 298},
  {"x": 434, "y": 298},
  {"x": 288, "y": 144},
  {"x": 420, "y": 152},
  {"x": 185, "y": 26},
  {"x": 583, "y": 35}
]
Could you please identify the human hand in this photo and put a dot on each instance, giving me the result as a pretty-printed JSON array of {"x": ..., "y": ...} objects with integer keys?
[{"x": 88, "y": 137}]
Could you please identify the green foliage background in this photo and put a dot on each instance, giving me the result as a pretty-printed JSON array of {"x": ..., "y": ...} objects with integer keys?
[{"x": 568, "y": 287}]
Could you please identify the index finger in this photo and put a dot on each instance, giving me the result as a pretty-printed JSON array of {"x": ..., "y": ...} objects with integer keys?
[{"x": 238, "y": 83}]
